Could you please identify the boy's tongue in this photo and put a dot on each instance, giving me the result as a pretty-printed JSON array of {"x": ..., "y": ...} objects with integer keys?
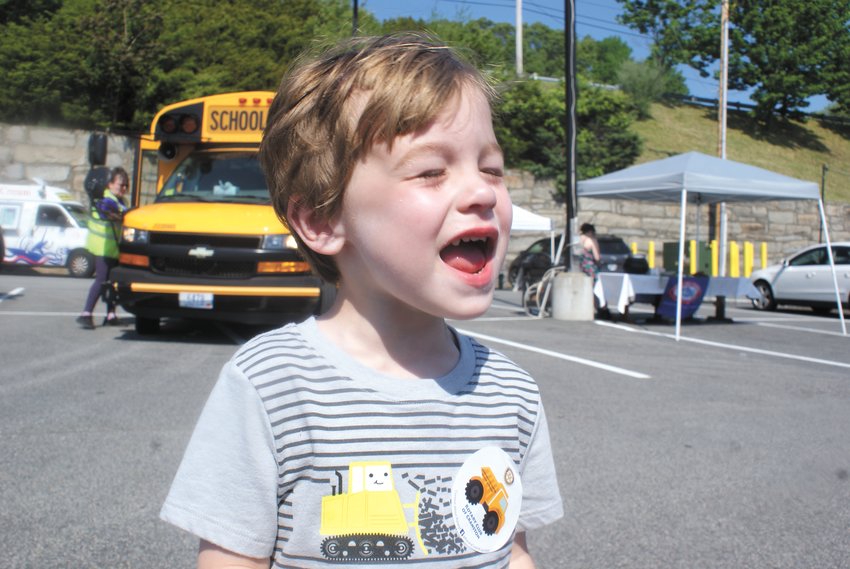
[{"x": 465, "y": 257}]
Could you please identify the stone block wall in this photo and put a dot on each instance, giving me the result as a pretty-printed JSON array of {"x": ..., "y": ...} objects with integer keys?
[{"x": 60, "y": 158}]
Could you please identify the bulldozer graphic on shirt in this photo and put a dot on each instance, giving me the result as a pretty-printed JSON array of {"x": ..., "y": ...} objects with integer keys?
[{"x": 367, "y": 524}]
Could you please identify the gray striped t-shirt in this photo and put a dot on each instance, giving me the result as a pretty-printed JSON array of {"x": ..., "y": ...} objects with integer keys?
[{"x": 281, "y": 457}]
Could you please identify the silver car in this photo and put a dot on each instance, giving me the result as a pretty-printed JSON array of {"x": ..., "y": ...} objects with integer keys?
[{"x": 805, "y": 279}]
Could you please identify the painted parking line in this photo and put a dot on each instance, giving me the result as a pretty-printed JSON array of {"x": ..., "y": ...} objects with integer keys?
[
  {"x": 12, "y": 293},
  {"x": 559, "y": 355},
  {"x": 735, "y": 347},
  {"x": 799, "y": 329}
]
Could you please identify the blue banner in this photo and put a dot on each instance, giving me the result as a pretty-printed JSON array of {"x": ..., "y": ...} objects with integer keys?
[{"x": 693, "y": 289}]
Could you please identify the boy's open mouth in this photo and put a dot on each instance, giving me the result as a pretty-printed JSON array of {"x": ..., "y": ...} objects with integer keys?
[{"x": 468, "y": 254}]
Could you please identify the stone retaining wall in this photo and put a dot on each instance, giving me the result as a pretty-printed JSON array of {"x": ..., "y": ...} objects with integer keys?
[{"x": 60, "y": 158}]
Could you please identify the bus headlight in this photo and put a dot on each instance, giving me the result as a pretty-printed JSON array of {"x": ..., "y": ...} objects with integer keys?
[
  {"x": 279, "y": 242},
  {"x": 133, "y": 235}
]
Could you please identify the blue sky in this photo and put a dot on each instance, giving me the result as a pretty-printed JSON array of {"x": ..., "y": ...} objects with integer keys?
[{"x": 596, "y": 18}]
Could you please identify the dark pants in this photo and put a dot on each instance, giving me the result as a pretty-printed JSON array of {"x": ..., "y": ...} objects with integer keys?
[{"x": 102, "y": 266}]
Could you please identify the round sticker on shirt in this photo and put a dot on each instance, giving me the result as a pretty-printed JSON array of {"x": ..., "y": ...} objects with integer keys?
[{"x": 486, "y": 499}]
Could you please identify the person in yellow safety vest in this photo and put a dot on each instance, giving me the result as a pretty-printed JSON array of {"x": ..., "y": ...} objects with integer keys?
[{"x": 102, "y": 242}]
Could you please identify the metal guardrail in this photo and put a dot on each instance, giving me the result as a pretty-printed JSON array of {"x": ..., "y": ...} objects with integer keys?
[{"x": 713, "y": 103}]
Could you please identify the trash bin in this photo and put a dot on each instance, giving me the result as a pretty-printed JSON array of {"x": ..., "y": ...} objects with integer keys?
[{"x": 671, "y": 257}]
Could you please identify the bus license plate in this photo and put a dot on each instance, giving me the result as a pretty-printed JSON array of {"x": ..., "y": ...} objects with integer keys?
[{"x": 199, "y": 300}]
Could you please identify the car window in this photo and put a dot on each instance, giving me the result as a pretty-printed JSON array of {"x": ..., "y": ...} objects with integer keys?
[
  {"x": 51, "y": 216},
  {"x": 613, "y": 247},
  {"x": 539, "y": 247},
  {"x": 811, "y": 257},
  {"x": 841, "y": 255}
]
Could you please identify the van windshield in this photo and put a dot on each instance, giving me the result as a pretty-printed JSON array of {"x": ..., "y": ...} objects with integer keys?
[
  {"x": 217, "y": 177},
  {"x": 78, "y": 212}
]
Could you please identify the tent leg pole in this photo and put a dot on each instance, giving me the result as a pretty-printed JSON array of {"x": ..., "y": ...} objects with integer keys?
[
  {"x": 832, "y": 266},
  {"x": 682, "y": 218}
]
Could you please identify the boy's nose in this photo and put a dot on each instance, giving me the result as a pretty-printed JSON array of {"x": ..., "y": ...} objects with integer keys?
[{"x": 477, "y": 193}]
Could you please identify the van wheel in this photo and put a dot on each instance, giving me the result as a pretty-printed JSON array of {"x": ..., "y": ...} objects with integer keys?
[
  {"x": 81, "y": 264},
  {"x": 146, "y": 326}
]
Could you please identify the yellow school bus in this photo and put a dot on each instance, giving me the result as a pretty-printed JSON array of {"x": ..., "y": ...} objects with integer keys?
[{"x": 203, "y": 240}]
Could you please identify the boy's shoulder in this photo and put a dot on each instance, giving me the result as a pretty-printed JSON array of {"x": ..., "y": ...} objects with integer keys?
[{"x": 273, "y": 348}]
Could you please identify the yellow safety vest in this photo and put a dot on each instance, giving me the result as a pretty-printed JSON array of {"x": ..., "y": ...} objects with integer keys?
[{"x": 102, "y": 240}]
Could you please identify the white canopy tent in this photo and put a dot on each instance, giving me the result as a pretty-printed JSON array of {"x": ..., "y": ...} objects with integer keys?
[{"x": 701, "y": 179}]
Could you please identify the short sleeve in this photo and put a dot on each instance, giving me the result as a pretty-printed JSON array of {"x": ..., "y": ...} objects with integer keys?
[
  {"x": 225, "y": 490},
  {"x": 541, "y": 499}
]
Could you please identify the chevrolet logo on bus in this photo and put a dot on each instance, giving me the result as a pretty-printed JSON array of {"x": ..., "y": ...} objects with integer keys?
[
  {"x": 201, "y": 252},
  {"x": 236, "y": 119}
]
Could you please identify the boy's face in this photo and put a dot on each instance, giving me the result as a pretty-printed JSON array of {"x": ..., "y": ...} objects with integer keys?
[{"x": 426, "y": 225}]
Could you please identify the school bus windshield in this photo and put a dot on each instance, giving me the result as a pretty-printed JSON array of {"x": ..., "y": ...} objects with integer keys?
[{"x": 217, "y": 177}]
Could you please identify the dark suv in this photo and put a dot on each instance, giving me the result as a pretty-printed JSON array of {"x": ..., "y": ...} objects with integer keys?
[{"x": 615, "y": 257}]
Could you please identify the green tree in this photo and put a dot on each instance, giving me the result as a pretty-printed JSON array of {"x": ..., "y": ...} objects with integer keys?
[
  {"x": 543, "y": 50},
  {"x": 530, "y": 124},
  {"x": 112, "y": 63},
  {"x": 785, "y": 52},
  {"x": 604, "y": 142},
  {"x": 646, "y": 82},
  {"x": 600, "y": 61}
]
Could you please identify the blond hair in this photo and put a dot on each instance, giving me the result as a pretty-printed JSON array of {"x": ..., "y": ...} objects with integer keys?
[{"x": 314, "y": 136}]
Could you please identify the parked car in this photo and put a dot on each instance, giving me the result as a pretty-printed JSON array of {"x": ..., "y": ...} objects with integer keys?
[
  {"x": 615, "y": 257},
  {"x": 805, "y": 279}
]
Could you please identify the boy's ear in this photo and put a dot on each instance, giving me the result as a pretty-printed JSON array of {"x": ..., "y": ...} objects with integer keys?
[{"x": 322, "y": 235}]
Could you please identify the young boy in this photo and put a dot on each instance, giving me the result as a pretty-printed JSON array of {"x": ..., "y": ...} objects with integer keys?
[{"x": 375, "y": 433}]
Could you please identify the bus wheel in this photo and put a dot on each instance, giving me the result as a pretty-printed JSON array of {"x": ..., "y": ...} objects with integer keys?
[
  {"x": 147, "y": 325},
  {"x": 326, "y": 298},
  {"x": 81, "y": 264}
]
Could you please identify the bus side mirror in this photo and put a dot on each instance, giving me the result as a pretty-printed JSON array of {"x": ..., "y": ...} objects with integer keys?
[{"x": 97, "y": 149}]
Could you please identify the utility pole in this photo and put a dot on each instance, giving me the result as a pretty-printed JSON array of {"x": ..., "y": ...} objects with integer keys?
[
  {"x": 824, "y": 170},
  {"x": 354, "y": 23},
  {"x": 519, "y": 70},
  {"x": 721, "y": 120},
  {"x": 570, "y": 100}
]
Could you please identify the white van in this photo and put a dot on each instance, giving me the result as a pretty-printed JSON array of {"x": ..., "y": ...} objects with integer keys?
[{"x": 44, "y": 227}]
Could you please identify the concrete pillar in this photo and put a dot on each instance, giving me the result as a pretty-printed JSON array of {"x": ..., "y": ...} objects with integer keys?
[{"x": 572, "y": 297}]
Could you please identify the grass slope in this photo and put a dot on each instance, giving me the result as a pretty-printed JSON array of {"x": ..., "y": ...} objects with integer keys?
[{"x": 797, "y": 149}]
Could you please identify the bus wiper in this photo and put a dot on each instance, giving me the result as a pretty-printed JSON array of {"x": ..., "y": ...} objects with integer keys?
[
  {"x": 245, "y": 198},
  {"x": 183, "y": 198}
]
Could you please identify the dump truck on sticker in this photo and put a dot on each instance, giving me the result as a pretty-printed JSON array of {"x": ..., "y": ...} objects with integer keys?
[{"x": 491, "y": 494}]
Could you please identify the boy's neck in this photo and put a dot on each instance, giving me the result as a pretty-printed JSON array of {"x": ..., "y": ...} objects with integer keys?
[{"x": 412, "y": 346}]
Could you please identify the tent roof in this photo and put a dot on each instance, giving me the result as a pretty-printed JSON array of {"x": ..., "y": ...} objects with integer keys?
[
  {"x": 525, "y": 220},
  {"x": 706, "y": 178}
]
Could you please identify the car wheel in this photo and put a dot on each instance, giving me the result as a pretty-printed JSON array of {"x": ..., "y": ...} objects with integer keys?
[
  {"x": 81, "y": 264},
  {"x": 145, "y": 326},
  {"x": 766, "y": 301}
]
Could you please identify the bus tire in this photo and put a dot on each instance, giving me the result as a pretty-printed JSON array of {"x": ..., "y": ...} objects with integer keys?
[
  {"x": 146, "y": 326},
  {"x": 327, "y": 296}
]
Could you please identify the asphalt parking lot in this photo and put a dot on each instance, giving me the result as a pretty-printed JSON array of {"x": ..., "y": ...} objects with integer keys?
[{"x": 728, "y": 448}]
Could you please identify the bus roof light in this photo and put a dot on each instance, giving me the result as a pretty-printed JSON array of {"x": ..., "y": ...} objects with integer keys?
[
  {"x": 168, "y": 124},
  {"x": 189, "y": 123}
]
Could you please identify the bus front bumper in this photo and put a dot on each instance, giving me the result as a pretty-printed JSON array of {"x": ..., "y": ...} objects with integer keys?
[{"x": 256, "y": 300}]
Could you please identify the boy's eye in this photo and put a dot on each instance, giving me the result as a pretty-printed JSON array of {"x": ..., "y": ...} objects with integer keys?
[
  {"x": 495, "y": 172},
  {"x": 431, "y": 174}
]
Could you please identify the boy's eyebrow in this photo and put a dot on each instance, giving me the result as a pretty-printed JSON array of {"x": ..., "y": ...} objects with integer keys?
[{"x": 439, "y": 148}]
